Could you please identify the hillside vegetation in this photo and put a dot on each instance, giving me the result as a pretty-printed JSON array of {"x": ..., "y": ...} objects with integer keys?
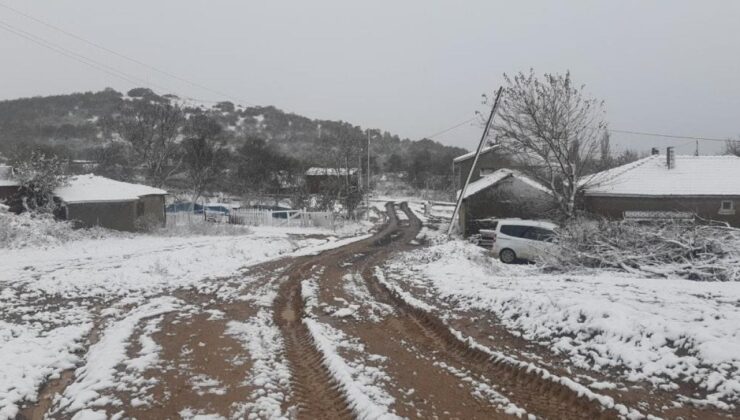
[{"x": 82, "y": 126}]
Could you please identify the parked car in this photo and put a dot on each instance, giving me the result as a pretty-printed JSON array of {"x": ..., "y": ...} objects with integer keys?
[
  {"x": 184, "y": 206},
  {"x": 216, "y": 212},
  {"x": 517, "y": 239}
]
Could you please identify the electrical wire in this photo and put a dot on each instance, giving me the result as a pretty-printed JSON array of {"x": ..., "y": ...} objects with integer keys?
[
  {"x": 77, "y": 57},
  {"x": 126, "y": 57},
  {"x": 450, "y": 128},
  {"x": 640, "y": 133}
]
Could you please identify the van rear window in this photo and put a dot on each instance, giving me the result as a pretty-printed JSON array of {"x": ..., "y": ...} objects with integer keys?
[{"x": 514, "y": 230}]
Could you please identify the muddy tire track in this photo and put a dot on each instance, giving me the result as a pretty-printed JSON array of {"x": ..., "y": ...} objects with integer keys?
[{"x": 319, "y": 396}]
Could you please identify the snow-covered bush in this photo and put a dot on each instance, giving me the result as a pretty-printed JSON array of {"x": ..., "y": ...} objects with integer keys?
[
  {"x": 33, "y": 229},
  {"x": 692, "y": 251}
]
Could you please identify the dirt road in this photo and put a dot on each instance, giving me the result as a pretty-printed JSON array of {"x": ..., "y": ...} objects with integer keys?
[{"x": 317, "y": 336}]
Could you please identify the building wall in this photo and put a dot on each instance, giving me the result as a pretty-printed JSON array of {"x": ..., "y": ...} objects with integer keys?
[
  {"x": 119, "y": 215},
  {"x": 7, "y": 192},
  {"x": 487, "y": 161},
  {"x": 704, "y": 207},
  {"x": 509, "y": 198}
]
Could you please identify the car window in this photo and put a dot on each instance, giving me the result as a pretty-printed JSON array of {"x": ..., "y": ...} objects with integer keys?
[
  {"x": 539, "y": 234},
  {"x": 514, "y": 230}
]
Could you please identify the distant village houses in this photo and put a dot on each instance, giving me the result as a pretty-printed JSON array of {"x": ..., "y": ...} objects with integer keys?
[{"x": 317, "y": 178}]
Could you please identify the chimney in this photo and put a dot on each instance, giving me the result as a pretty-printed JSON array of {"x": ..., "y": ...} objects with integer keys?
[
  {"x": 670, "y": 158},
  {"x": 655, "y": 151}
]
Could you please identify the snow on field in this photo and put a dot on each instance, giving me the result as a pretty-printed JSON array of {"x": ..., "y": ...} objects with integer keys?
[
  {"x": 49, "y": 298},
  {"x": 663, "y": 331}
]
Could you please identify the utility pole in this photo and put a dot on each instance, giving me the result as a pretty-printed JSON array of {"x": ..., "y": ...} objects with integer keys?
[
  {"x": 367, "y": 195},
  {"x": 697, "y": 148},
  {"x": 475, "y": 161}
]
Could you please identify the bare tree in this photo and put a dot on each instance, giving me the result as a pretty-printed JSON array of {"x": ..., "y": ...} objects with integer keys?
[
  {"x": 153, "y": 130},
  {"x": 203, "y": 157},
  {"x": 732, "y": 147},
  {"x": 552, "y": 131}
]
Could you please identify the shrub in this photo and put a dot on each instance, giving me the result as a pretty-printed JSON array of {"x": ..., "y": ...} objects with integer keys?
[{"x": 33, "y": 229}]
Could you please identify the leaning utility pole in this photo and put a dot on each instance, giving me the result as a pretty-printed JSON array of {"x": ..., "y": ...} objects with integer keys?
[{"x": 475, "y": 161}]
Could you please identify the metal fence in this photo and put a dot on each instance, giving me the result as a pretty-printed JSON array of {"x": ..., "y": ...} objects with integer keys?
[{"x": 255, "y": 217}]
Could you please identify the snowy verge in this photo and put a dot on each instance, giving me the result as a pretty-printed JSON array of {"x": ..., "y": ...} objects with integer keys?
[{"x": 664, "y": 331}]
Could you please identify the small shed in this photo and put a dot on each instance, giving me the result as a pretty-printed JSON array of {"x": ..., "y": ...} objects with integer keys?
[
  {"x": 504, "y": 193},
  {"x": 317, "y": 178},
  {"x": 91, "y": 200},
  {"x": 707, "y": 187}
]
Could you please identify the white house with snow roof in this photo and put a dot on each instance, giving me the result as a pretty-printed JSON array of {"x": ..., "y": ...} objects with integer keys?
[{"x": 707, "y": 187}]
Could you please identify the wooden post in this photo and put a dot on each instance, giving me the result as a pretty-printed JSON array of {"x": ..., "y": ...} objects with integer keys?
[{"x": 475, "y": 160}]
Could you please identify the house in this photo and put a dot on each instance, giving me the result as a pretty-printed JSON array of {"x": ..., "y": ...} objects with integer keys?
[
  {"x": 707, "y": 187},
  {"x": 317, "y": 178},
  {"x": 90, "y": 200},
  {"x": 491, "y": 159},
  {"x": 8, "y": 186},
  {"x": 503, "y": 193}
]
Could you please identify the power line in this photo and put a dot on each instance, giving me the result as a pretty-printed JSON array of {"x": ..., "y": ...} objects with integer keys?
[
  {"x": 125, "y": 57},
  {"x": 77, "y": 57},
  {"x": 450, "y": 128},
  {"x": 640, "y": 133}
]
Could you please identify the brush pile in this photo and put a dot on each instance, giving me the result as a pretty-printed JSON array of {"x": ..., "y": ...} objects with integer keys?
[{"x": 689, "y": 250}]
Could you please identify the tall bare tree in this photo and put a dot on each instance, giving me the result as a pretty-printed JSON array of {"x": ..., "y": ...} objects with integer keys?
[
  {"x": 552, "y": 130},
  {"x": 153, "y": 131},
  {"x": 203, "y": 156}
]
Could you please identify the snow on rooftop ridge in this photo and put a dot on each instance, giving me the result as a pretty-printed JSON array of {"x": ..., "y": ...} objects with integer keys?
[
  {"x": 316, "y": 171},
  {"x": 92, "y": 188},
  {"x": 497, "y": 176},
  {"x": 471, "y": 154},
  {"x": 691, "y": 176}
]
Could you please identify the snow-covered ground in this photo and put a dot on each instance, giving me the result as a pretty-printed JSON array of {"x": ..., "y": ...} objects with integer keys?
[
  {"x": 52, "y": 299},
  {"x": 663, "y": 331}
]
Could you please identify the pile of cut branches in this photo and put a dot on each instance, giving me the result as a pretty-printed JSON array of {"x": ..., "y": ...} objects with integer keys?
[{"x": 689, "y": 250}]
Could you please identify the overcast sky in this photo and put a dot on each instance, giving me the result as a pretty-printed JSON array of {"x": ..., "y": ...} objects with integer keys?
[{"x": 410, "y": 67}]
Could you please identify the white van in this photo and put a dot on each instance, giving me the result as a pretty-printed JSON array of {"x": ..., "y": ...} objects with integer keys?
[{"x": 517, "y": 239}]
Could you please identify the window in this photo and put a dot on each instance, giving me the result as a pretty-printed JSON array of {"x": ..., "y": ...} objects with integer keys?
[
  {"x": 139, "y": 208},
  {"x": 514, "y": 230},
  {"x": 727, "y": 207},
  {"x": 539, "y": 234}
]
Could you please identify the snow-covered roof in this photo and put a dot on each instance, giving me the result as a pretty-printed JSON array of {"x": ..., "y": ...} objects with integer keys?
[
  {"x": 467, "y": 156},
  {"x": 497, "y": 176},
  {"x": 331, "y": 171},
  {"x": 691, "y": 176},
  {"x": 92, "y": 188}
]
